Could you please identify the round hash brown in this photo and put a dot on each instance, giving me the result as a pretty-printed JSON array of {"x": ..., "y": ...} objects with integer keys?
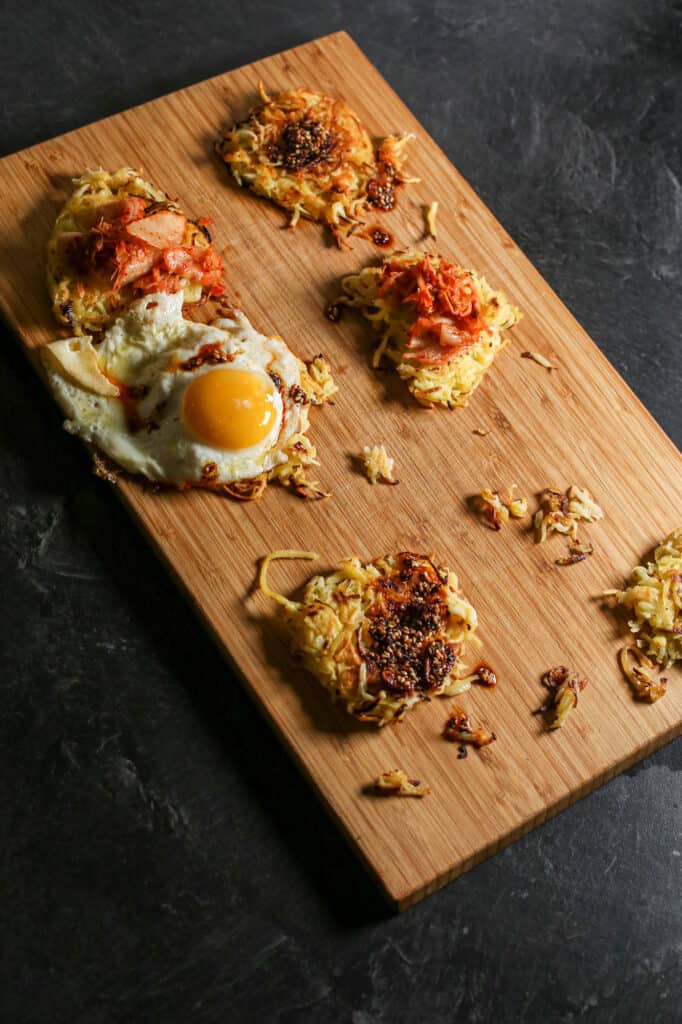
[
  {"x": 310, "y": 154},
  {"x": 381, "y": 637}
]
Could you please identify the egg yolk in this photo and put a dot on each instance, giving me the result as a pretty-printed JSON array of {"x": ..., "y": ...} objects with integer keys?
[{"x": 230, "y": 409}]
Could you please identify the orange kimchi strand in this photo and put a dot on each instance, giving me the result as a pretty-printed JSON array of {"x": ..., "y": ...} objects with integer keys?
[
  {"x": 447, "y": 313},
  {"x": 110, "y": 248}
]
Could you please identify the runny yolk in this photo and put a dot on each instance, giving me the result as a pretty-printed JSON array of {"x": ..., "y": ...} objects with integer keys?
[{"x": 231, "y": 409}]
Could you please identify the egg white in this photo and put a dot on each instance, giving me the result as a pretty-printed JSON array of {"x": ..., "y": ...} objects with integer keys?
[{"x": 143, "y": 348}]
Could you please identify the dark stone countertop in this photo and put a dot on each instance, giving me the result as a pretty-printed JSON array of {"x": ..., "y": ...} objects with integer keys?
[{"x": 161, "y": 858}]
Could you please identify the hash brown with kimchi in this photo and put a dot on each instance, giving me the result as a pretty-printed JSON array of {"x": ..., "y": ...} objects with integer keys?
[
  {"x": 119, "y": 238},
  {"x": 310, "y": 154},
  {"x": 380, "y": 637},
  {"x": 441, "y": 326}
]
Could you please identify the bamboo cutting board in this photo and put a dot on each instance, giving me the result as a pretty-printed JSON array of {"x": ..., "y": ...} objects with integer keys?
[{"x": 578, "y": 424}]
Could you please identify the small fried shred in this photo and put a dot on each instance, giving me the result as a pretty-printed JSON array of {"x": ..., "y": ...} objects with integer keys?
[
  {"x": 576, "y": 553},
  {"x": 538, "y": 358},
  {"x": 430, "y": 214},
  {"x": 274, "y": 556},
  {"x": 317, "y": 380},
  {"x": 378, "y": 464},
  {"x": 459, "y": 729},
  {"x": 564, "y": 686},
  {"x": 397, "y": 783},
  {"x": 639, "y": 671},
  {"x": 561, "y": 512},
  {"x": 495, "y": 511}
]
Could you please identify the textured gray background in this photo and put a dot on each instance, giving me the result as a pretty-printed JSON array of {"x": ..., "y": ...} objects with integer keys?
[{"x": 161, "y": 857}]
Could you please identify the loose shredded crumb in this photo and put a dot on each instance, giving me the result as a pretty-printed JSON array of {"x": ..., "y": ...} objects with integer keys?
[
  {"x": 458, "y": 729},
  {"x": 430, "y": 214},
  {"x": 538, "y": 358},
  {"x": 317, "y": 380},
  {"x": 496, "y": 511},
  {"x": 640, "y": 673},
  {"x": 654, "y": 596},
  {"x": 263, "y": 574},
  {"x": 396, "y": 783},
  {"x": 481, "y": 432},
  {"x": 378, "y": 464},
  {"x": 576, "y": 553},
  {"x": 565, "y": 687},
  {"x": 561, "y": 513}
]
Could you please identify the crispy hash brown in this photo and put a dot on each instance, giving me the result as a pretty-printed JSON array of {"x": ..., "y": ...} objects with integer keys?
[
  {"x": 310, "y": 154},
  {"x": 380, "y": 637},
  {"x": 440, "y": 326},
  {"x": 118, "y": 238}
]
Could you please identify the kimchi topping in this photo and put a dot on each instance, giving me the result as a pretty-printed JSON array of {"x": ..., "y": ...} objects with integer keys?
[
  {"x": 138, "y": 243},
  {"x": 447, "y": 318}
]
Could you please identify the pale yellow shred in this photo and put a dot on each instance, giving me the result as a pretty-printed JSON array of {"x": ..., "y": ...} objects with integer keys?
[
  {"x": 317, "y": 380},
  {"x": 378, "y": 464},
  {"x": 654, "y": 596},
  {"x": 274, "y": 556},
  {"x": 397, "y": 783},
  {"x": 539, "y": 359}
]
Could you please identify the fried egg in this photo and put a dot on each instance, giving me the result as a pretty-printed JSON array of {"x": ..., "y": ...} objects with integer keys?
[{"x": 181, "y": 402}]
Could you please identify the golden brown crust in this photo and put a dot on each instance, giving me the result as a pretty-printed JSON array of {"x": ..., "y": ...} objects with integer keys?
[{"x": 310, "y": 154}]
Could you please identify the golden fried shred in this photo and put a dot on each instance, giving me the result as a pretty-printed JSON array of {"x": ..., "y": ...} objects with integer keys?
[
  {"x": 564, "y": 686},
  {"x": 639, "y": 670},
  {"x": 430, "y": 214},
  {"x": 654, "y": 596},
  {"x": 380, "y": 636},
  {"x": 317, "y": 380},
  {"x": 496, "y": 511},
  {"x": 397, "y": 783},
  {"x": 562, "y": 512},
  {"x": 459, "y": 729},
  {"x": 378, "y": 464}
]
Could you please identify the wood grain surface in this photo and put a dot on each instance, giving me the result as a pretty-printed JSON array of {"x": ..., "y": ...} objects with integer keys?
[{"x": 578, "y": 424}]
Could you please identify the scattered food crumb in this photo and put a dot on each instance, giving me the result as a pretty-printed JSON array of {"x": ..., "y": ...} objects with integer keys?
[
  {"x": 396, "y": 783},
  {"x": 565, "y": 687},
  {"x": 576, "y": 553},
  {"x": 430, "y": 214},
  {"x": 317, "y": 380},
  {"x": 461, "y": 752},
  {"x": 481, "y": 432},
  {"x": 639, "y": 671},
  {"x": 496, "y": 511},
  {"x": 378, "y": 464},
  {"x": 537, "y": 358},
  {"x": 458, "y": 729},
  {"x": 484, "y": 675},
  {"x": 561, "y": 513}
]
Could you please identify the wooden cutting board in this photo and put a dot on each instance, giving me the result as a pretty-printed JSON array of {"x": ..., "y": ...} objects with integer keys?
[{"x": 579, "y": 423}]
